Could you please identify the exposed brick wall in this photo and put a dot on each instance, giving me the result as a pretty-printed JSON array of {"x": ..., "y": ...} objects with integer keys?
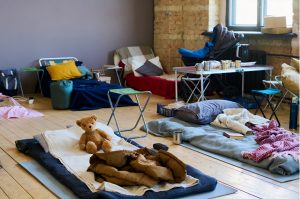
[{"x": 179, "y": 23}]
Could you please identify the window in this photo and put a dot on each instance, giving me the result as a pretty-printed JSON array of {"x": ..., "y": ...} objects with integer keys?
[{"x": 247, "y": 15}]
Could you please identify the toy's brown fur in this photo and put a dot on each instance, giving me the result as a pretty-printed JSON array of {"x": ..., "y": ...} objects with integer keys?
[{"x": 93, "y": 139}]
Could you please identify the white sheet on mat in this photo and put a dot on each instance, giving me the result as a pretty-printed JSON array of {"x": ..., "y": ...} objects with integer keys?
[
  {"x": 63, "y": 145},
  {"x": 236, "y": 118}
]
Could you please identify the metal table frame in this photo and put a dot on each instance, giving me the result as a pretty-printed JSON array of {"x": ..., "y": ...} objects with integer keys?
[{"x": 205, "y": 74}]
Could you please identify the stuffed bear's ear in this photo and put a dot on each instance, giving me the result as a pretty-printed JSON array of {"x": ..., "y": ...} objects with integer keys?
[
  {"x": 94, "y": 117},
  {"x": 78, "y": 122}
]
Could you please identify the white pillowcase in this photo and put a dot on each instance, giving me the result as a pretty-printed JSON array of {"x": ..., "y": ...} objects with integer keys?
[{"x": 137, "y": 62}]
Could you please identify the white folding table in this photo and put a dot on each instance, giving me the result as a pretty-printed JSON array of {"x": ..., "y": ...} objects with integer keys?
[{"x": 205, "y": 74}]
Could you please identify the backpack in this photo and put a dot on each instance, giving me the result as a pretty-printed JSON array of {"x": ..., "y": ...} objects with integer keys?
[{"x": 8, "y": 82}]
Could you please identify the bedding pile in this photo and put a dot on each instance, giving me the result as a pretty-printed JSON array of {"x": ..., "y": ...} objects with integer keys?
[
  {"x": 58, "y": 152},
  {"x": 273, "y": 141},
  {"x": 210, "y": 138},
  {"x": 143, "y": 70},
  {"x": 64, "y": 145},
  {"x": 140, "y": 167},
  {"x": 236, "y": 119},
  {"x": 10, "y": 108}
]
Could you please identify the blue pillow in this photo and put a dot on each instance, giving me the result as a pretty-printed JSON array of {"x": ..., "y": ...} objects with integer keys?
[
  {"x": 204, "y": 112},
  {"x": 86, "y": 73}
]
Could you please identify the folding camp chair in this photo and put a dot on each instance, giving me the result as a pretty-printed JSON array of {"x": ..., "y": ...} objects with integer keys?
[
  {"x": 126, "y": 92},
  {"x": 193, "y": 84},
  {"x": 277, "y": 84},
  {"x": 266, "y": 94}
]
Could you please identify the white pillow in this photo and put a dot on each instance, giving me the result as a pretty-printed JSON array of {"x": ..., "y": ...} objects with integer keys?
[
  {"x": 156, "y": 62},
  {"x": 137, "y": 62}
]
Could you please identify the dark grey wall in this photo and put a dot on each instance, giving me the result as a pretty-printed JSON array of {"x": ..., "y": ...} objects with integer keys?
[{"x": 87, "y": 29}]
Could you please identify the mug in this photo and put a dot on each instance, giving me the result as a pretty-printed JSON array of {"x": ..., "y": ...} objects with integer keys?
[{"x": 177, "y": 137}]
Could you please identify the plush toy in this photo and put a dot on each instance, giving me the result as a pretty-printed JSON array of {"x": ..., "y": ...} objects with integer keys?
[{"x": 93, "y": 139}]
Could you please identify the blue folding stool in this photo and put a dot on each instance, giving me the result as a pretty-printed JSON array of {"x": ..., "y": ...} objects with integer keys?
[{"x": 266, "y": 95}]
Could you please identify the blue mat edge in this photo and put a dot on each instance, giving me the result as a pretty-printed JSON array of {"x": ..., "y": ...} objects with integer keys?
[{"x": 63, "y": 192}]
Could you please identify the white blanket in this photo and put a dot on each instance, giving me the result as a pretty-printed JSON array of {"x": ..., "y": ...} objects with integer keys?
[
  {"x": 63, "y": 145},
  {"x": 236, "y": 118}
]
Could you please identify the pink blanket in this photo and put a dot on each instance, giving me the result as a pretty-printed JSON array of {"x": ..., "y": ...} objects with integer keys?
[
  {"x": 273, "y": 141},
  {"x": 10, "y": 108}
]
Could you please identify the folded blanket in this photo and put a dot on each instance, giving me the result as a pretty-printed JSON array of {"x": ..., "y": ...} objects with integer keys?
[
  {"x": 236, "y": 118},
  {"x": 64, "y": 145}
]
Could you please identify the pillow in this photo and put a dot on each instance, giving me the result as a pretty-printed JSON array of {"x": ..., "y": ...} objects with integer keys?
[
  {"x": 78, "y": 63},
  {"x": 143, "y": 67},
  {"x": 63, "y": 71},
  {"x": 290, "y": 78},
  {"x": 85, "y": 72},
  {"x": 59, "y": 61},
  {"x": 295, "y": 64},
  {"x": 204, "y": 112},
  {"x": 137, "y": 62},
  {"x": 149, "y": 69}
]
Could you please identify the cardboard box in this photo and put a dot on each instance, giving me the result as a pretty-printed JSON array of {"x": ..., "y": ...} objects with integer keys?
[
  {"x": 275, "y": 22},
  {"x": 276, "y": 30}
]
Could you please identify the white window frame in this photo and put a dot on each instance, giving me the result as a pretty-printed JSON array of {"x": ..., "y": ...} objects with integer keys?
[{"x": 261, "y": 10}]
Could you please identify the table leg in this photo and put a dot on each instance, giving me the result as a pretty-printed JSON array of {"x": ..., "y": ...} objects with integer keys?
[
  {"x": 176, "y": 86},
  {"x": 20, "y": 83},
  {"x": 202, "y": 87},
  {"x": 118, "y": 76},
  {"x": 243, "y": 83}
]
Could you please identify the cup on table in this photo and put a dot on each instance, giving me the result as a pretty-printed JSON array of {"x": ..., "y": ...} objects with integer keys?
[{"x": 237, "y": 63}]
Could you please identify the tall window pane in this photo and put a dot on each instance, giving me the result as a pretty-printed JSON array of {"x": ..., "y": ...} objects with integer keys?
[
  {"x": 245, "y": 13},
  {"x": 280, "y": 8}
]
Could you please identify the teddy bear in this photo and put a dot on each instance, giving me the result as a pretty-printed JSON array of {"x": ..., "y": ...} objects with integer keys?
[{"x": 93, "y": 139}]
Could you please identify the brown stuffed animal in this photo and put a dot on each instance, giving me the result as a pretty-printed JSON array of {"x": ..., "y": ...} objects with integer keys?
[{"x": 93, "y": 139}]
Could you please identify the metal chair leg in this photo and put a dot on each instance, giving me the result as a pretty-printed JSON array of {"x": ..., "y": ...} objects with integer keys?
[
  {"x": 141, "y": 115},
  {"x": 274, "y": 109},
  {"x": 259, "y": 106}
]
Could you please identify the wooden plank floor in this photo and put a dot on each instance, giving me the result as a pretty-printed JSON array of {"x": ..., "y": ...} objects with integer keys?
[{"x": 16, "y": 183}]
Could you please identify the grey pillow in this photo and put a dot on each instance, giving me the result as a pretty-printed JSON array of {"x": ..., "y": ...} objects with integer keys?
[
  {"x": 149, "y": 69},
  {"x": 204, "y": 112}
]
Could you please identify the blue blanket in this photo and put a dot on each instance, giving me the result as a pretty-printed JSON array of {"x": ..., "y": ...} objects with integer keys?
[
  {"x": 210, "y": 138},
  {"x": 92, "y": 94},
  {"x": 32, "y": 148}
]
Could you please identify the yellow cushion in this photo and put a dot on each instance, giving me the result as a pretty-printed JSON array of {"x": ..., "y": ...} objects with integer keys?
[
  {"x": 295, "y": 64},
  {"x": 290, "y": 78},
  {"x": 63, "y": 71}
]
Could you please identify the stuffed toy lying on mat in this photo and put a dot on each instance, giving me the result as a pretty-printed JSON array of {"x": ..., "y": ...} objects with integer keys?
[{"x": 93, "y": 139}]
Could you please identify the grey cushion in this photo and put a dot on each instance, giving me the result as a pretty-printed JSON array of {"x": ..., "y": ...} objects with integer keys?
[
  {"x": 149, "y": 69},
  {"x": 204, "y": 112}
]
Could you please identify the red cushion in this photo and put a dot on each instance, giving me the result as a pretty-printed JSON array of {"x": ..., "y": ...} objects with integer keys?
[{"x": 156, "y": 85}]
